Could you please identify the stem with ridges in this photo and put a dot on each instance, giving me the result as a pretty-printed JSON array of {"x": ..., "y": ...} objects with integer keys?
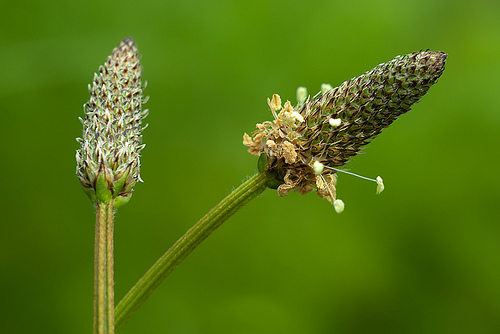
[
  {"x": 186, "y": 244},
  {"x": 103, "y": 269}
]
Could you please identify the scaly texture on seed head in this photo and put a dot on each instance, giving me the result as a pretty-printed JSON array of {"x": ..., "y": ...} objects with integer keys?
[
  {"x": 108, "y": 161},
  {"x": 332, "y": 127}
]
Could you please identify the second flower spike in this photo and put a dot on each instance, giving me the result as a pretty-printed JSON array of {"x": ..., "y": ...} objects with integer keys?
[{"x": 332, "y": 127}]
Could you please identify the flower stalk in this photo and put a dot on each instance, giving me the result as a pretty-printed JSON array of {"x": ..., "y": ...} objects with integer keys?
[
  {"x": 186, "y": 244},
  {"x": 103, "y": 270}
]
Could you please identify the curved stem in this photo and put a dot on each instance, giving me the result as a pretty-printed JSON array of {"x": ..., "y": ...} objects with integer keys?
[
  {"x": 103, "y": 270},
  {"x": 186, "y": 244}
]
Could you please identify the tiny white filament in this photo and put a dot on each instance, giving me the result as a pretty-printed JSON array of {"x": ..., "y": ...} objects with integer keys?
[{"x": 378, "y": 181}]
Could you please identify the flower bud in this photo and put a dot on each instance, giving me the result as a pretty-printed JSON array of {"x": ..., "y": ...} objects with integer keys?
[{"x": 108, "y": 161}]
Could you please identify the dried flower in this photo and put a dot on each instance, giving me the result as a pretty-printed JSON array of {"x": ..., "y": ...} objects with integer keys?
[
  {"x": 303, "y": 153},
  {"x": 108, "y": 161}
]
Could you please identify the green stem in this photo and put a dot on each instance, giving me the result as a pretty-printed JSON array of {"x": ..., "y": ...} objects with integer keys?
[
  {"x": 103, "y": 270},
  {"x": 186, "y": 244}
]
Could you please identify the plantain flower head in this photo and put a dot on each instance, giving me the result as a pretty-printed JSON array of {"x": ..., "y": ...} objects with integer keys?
[
  {"x": 108, "y": 160},
  {"x": 305, "y": 146}
]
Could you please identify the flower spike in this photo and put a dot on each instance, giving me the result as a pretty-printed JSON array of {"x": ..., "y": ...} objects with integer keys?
[
  {"x": 337, "y": 122},
  {"x": 108, "y": 161}
]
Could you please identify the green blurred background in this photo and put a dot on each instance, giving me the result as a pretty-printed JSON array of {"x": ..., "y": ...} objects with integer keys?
[{"x": 423, "y": 257}]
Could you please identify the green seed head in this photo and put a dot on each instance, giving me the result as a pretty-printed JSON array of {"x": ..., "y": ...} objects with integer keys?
[
  {"x": 108, "y": 161},
  {"x": 365, "y": 106},
  {"x": 334, "y": 125}
]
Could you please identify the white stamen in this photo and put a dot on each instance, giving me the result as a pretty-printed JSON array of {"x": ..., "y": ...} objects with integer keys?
[
  {"x": 335, "y": 122},
  {"x": 318, "y": 167},
  {"x": 380, "y": 185},
  {"x": 378, "y": 181},
  {"x": 339, "y": 205},
  {"x": 301, "y": 95},
  {"x": 325, "y": 88},
  {"x": 346, "y": 172}
]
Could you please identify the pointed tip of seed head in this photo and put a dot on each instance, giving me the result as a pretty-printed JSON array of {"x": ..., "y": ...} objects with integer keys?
[
  {"x": 436, "y": 60},
  {"x": 127, "y": 46},
  {"x": 129, "y": 40}
]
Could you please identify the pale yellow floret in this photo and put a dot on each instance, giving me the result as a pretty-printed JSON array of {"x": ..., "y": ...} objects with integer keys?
[
  {"x": 297, "y": 117},
  {"x": 288, "y": 107},
  {"x": 272, "y": 147},
  {"x": 275, "y": 103},
  {"x": 289, "y": 152},
  {"x": 320, "y": 182},
  {"x": 247, "y": 140},
  {"x": 325, "y": 186},
  {"x": 255, "y": 145},
  {"x": 289, "y": 116}
]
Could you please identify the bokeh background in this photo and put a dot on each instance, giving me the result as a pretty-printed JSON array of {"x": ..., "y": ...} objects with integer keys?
[{"x": 423, "y": 257}]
